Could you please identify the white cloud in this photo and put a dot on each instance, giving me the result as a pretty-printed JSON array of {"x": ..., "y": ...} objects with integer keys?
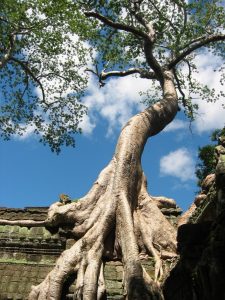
[
  {"x": 27, "y": 132},
  {"x": 176, "y": 125},
  {"x": 179, "y": 163},
  {"x": 87, "y": 125},
  {"x": 116, "y": 102},
  {"x": 119, "y": 99},
  {"x": 210, "y": 115}
]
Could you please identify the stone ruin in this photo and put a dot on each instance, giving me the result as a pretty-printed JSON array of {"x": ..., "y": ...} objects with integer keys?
[{"x": 27, "y": 255}]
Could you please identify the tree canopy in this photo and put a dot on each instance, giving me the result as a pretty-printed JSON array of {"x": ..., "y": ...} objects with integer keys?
[
  {"x": 147, "y": 37},
  {"x": 47, "y": 47},
  {"x": 42, "y": 71}
]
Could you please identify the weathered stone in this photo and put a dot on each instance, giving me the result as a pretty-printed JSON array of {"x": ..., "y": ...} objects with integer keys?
[
  {"x": 200, "y": 272},
  {"x": 208, "y": 182},
  {"x": 199, "y": 199},
  {"x": 28, "y": 255}
]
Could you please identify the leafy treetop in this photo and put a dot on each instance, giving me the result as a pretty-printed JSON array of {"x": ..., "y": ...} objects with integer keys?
[
  {"x": 41, "y": 63},
  {"x": 42, "y": 59},
  {"x": 206, "y": 157}
]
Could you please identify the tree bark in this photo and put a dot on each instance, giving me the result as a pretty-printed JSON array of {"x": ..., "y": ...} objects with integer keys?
[{"x": 118, "y": 209}]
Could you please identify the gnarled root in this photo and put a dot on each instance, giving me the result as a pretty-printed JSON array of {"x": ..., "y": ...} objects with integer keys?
[
  {"x": 141, "y": 229},
  {"x": 118, "y": 205},
  {"x": 85, "y": 257}
]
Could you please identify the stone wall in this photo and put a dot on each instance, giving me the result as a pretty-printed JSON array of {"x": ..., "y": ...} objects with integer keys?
[
  {"x": 27, "y": 255},
  {"x": 200, "y": 272}
]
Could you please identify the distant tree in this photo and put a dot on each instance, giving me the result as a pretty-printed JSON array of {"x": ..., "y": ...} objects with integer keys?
[
  {"x": 206, "y": 157},
  {"x": 117, "y": 219},
  {"x": 206, "y": 165}
]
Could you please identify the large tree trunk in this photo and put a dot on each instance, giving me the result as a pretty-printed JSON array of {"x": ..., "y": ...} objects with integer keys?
[{"x": 117, "y": 218}]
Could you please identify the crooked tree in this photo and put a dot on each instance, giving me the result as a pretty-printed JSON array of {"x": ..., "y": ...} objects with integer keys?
[{"x": 156, "y": 40}]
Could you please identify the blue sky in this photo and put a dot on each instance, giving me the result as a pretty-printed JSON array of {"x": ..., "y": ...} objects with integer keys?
[{"x": 31, "y": 175}]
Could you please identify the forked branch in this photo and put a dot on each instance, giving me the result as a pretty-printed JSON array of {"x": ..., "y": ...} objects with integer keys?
[
  {"x": 194, "y": 45},
  {"x": 117, "y": 25},
  {"x": 28, "y": 71}
]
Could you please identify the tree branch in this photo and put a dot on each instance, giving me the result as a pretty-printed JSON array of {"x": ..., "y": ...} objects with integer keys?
[
  {"x": 32, "y": 75},
  {"x": 179, "y": 87},
  {"x": 153, "y": 63},
  {"x": 162, "y": 16},
  {"x": 194, "y": 45},
  {"x": 143, "y": 73},
  {"x": 148, "y": 41},
  {"x": 135, "y": 11},
  {"x": 104, "y": 75},
  {"x": 117, "y": 25},
  {"x": 9, "y": 51}
]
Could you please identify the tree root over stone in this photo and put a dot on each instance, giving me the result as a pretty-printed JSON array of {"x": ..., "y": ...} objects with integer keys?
[{"x": 117, "y": 219}]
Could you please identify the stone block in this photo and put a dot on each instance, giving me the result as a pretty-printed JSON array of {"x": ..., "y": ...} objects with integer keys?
[
  {"x": 13, "y": 287},
  {"x": 19, "y": 297},
  {"x": 110, "y": 272},
  {"x": 5, "y": 278},
  {"x": 16, "y": 278},
  {"x": 3, "y": 287},
  {"x": 23, "y": 231},
  {"x": 2, "y": 228},
  {"x": 113, "y": 285}
]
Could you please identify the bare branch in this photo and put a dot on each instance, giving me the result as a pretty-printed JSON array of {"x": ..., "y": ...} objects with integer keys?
[
  {"x": 53, "y": 74},
  {"x": 185, "y": 101},
  {"x": 148, "y": 40},
  {"x": 117, "y": 25},
  {"x": 143, "y": 73},
  {"x": 104, "y": 75},
  {"x": 192, "y": 42},
  {"x": 194, "y": 45}
]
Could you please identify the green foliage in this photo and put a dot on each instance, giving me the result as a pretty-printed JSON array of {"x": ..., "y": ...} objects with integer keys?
[
  {"x": 206, "y": 163},
  {"x": 43, "y": 78},
  {"x": 206, "y": 157},
  {"x": 177, "y": 25},
  {"x": 45, "y": 46}
]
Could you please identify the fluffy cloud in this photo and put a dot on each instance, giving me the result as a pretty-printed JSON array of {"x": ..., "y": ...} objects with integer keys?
[
  {"x": 176, "y": 125},
  {"x": 87, "y": 126},
  {"x": 116, "y": 101},
  {"x": 179, "y": 164},
  {"x": 28, "y": 131},
  {"x": 119, "y": 99},
  {"x": 210, "y": 115}
]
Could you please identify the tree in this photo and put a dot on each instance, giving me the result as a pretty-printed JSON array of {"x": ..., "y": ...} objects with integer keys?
[
  {"x": 118, "y": 218},
  {"x": 206, "y": 165},
  {"x": 41, "y": 71},
  {"x": 206, "y": 157}
]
